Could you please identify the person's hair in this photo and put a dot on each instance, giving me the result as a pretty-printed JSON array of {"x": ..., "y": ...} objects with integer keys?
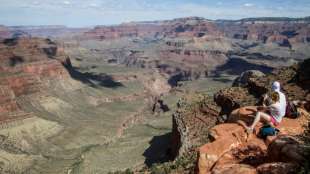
[{"x": 275, "y": 97}]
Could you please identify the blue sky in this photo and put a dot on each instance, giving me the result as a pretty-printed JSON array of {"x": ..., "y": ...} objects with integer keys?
[{"x": 77, "y": 13}]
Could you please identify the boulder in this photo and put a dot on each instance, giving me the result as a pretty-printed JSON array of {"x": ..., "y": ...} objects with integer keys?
[
  {"x": 234, "y": 168},
  {"x": 277, "y": 168},
  {"x": 211, "y": 152},
  {"x": 226, "y": 137},
  {"x": 245, "y": 114},
  {"x": 249, "y": 154},
  {"x": 287, "y": 126},
  {"x": 304, "y": 74},
  {"x": 228, "y": 129},
  {"x": 242, "y": 80},
  {"x": 295, "y": 126},
  {"x": 287, "y": 149},
  {"x": 230, "y": 99}
]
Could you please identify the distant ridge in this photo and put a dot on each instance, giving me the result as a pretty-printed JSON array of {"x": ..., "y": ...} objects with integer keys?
[
  {"x": 272, "y": 19},
  {"x": 195, "y": 18}
]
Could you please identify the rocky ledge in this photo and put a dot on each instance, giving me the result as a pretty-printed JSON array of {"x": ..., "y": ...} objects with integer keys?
[{"x": 219, "y": 125}]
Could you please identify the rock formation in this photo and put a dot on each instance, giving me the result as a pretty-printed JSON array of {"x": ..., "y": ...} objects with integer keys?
[
  {"x": 24, "y": 64},
  {"x": 193, "y": 48},
  {"x": 284, "y": 32},
  {"x": 193, "y": 118},
  {"x": 230, "y": 149}
]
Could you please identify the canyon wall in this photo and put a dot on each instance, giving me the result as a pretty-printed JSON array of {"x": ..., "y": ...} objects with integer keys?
[
  {"x": 25, "y": 65},
  {"x": 284, "y": 32}
]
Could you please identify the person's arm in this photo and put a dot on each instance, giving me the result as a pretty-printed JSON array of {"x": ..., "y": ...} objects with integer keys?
[
  {"x": 266, "y": 101},
  {"x": 262, "y": 108},
  {"x": 273, "y": 107}
]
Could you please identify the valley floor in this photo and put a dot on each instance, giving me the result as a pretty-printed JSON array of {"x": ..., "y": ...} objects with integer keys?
[{"x": 76, "y": 128}]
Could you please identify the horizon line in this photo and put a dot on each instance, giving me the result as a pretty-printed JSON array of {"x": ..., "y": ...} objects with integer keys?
[{"x": 161, "y": 20}]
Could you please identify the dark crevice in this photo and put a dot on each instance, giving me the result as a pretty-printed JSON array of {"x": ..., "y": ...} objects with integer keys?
[{"x": 16, "y": 60}]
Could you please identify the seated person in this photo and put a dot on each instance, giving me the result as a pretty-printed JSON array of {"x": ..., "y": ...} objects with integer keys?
[
  {"x": 270, "y": 114},
  {"x": 276, "y": 88}
]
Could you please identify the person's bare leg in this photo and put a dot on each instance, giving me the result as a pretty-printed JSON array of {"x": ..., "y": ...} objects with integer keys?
[{"x": 260, "y": 116}]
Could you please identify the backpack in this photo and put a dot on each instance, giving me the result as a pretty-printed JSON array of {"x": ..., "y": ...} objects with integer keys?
[
  {"x": 291, "y": 110},
  {"x": 268, "y": 130}
]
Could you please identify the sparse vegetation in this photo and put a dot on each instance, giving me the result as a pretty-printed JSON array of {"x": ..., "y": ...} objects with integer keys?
[{"x": 306, "y": 137}]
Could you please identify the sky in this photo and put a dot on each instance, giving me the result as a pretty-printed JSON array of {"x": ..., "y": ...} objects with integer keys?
[{"x": 82, "y": 13}]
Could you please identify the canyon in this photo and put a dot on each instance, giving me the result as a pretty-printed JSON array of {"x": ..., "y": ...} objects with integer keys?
[{"x": 144, "y": 94}]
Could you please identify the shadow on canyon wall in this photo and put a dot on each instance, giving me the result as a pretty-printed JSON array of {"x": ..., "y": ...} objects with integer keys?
[
  {"x": 158, "y": 151},
  {"x": 235, "y": 66},
  {"x": 92, "y": 79}
]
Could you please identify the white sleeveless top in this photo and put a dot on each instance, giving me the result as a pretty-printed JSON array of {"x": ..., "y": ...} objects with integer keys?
[{"x": 275, "y": 111}]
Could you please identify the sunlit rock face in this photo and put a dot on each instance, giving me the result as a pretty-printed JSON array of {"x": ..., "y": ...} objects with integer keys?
[
  {"x": 231, "y": 147},
  {"x": 26, "y": 64},
  {"x": 284, "y": 32},
  {"x": 193, "y": 48}
]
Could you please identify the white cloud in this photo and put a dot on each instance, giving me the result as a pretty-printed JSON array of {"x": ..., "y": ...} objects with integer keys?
[
  {"x": 36, "y": 3},
  {"x": 93, "y": 5},
  {"x": 67, "y": 2},
  {"x": 248, "y": 5},
  {"x": 93, "y": 12}
]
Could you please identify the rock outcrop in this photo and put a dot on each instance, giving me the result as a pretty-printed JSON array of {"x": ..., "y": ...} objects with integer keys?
[
  {"x": 232, "y": 98},
  {"x": 230, "y": 148},
  {"x": 243, "y": 79},
  {"x": 25, "y": 63},
  {"x": 194, "y": 117}
]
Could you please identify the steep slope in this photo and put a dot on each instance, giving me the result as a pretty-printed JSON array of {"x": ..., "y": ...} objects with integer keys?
[{"x": 56, "y": 117}]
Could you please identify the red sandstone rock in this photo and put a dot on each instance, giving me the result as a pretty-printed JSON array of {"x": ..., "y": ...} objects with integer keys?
[
  {"x": 252, "y": 155},
  {"x": 287, "y": 126},
  {"x": 227, "y": 137},
  {"x": 235, "y": 168},
  {"x": 25, "y": 64},
  {"x": 229, "y": 150},
  {"x": 211, "y": 152},
  {"x": 245, "y": 114},
  {"x": 10, "y": 106},
  {"x": 231, "y": 145},
  {"x": 230, "y": 129}
]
